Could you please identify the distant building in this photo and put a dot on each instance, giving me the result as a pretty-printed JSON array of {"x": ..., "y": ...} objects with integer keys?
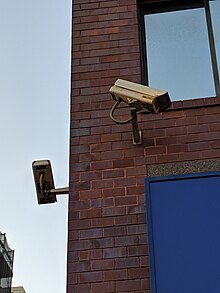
[
  {"x": 18, "y": 290},
  {"x": 6, "y": 265}
]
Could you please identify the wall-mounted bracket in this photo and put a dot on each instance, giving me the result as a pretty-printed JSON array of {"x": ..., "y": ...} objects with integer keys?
[
  {"x": 137, "y": 137},
  {"x": 134, "y": 106}
]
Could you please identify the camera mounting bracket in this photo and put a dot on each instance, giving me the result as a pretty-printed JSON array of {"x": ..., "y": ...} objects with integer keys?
[{"x": 134, "y": 108}]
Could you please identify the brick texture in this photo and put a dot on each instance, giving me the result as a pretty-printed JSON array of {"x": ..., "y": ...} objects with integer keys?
[{"x": 107, "y": 237}]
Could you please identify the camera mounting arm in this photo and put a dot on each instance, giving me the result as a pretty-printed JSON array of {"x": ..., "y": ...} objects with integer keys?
[
  {"x": 137, "y": 137},
  {"x": 59, "y": 191},
  {"x": 134, "y": 108}
]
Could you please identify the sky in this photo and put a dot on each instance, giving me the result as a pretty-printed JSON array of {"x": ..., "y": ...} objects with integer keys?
[{"x": 34, "y": 124}]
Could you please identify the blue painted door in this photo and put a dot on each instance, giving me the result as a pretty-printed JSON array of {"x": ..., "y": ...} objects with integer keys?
[{"x": 183, "y": 215}]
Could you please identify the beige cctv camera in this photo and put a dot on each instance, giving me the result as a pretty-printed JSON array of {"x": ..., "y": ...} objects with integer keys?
[
  {"x": 139, "y": 98},
  {"x": 44, "y": 183},
  {"x": 145, "y": 98}
]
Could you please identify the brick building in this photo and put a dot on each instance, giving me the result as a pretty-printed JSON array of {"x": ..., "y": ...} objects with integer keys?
[{"x": 107, "y": 242}]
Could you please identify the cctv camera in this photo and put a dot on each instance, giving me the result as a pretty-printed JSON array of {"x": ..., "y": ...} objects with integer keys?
[
  {"x": 138, "y": 97},
  {"x": 43, "y": 177},
  {"x": 44, "y": 182},
  {"x": 146, "y": 98}
]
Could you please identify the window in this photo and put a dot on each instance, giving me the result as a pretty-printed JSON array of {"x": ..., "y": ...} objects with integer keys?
[{"x": 181, "y": 47}]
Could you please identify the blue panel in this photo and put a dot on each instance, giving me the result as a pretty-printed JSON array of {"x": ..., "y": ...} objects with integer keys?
[{"x": 184, "y": 239}]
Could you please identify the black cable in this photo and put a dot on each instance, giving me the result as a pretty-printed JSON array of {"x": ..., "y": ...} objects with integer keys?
[
  {"x": 41, "y": 181},
  {"x": 113, "y": 110}
]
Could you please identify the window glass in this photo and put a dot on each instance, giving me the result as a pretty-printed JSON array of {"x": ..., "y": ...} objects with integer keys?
[
  {"x": 215, "y": 14},
  {"x": 178, "y": 53}
]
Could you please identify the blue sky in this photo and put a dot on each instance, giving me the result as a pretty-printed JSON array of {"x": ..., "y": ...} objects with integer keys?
[{"x": 34, "y": 124}]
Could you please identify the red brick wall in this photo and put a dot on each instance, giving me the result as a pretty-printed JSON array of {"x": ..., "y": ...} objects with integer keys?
[{"x": 107, "y": 243}]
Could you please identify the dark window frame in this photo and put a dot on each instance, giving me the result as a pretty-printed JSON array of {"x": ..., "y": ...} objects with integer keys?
[{"x": 158, "y": 6}]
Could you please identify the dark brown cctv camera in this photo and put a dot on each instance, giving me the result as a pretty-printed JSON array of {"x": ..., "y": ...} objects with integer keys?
[{"x": 44, "y": 183}]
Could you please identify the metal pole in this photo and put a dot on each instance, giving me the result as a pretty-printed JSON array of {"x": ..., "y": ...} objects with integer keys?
[
  {"x": 137, "y": 139},
  {"x": 62, "y": 190}
]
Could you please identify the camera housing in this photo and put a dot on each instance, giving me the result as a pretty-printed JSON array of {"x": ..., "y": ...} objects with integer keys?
[
  {"x": 44, "y": 182},
  {"x": 146, "y": 98}
]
